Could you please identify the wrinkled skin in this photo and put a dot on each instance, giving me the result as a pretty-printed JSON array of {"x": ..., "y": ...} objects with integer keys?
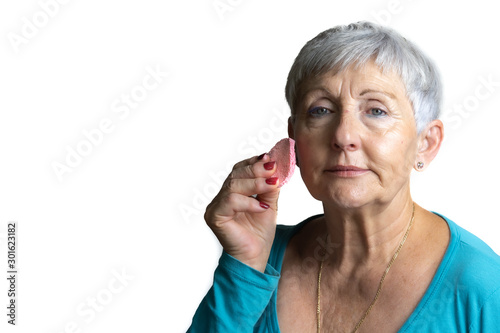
[{"x": 358, "y": 117}]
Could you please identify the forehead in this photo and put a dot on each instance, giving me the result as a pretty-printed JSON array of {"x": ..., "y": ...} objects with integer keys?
[{"x": 356, "y": 79}]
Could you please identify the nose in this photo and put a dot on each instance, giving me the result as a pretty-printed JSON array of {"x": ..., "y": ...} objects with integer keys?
[{"x": 346, "y": 132}]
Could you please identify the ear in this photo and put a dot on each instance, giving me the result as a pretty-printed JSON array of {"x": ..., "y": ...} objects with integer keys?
[
  {"x": 429, "y": 142},
  {"x": 291, "y": 132},
  {"x": 291, "y": 135}
]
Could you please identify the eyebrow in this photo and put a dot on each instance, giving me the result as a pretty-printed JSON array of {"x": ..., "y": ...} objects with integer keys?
[
  {"x": 324, "y": 90},
  {"x": 314, "y": 90},
  {"x": 388, "y": 94}
]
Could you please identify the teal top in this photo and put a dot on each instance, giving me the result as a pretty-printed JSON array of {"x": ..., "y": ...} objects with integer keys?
[{"x": 464, "y": 295}]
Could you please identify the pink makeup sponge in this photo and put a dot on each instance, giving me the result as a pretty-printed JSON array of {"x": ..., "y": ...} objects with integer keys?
[{"x": 284, "y": 155}]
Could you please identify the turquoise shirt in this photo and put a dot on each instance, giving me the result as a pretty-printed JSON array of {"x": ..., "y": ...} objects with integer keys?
[{"x": 464, "y": 295}]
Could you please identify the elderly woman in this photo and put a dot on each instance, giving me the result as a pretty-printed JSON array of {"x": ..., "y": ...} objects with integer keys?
[{"x": 365, "y": 105}]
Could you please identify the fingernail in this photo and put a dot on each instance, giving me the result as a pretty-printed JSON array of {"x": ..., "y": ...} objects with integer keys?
[
  {"x": 272, "y": 180},
  {"x": 264, "y": 205},
  {"x": 261, "y": 157},
  {"x": 269, "y": 165}
]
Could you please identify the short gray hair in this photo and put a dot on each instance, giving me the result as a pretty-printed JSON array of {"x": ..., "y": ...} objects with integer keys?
[{"x": 358, "y": 43}]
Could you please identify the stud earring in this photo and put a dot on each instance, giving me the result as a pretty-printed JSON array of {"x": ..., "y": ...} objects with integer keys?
[{"x": 420, "y": 165}]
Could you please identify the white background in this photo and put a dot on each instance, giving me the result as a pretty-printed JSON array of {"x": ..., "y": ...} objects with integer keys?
[{"x": 135, "y": 203}]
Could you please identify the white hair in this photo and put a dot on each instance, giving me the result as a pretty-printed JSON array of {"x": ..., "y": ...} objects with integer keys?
[{"x": 358, "y": 43}]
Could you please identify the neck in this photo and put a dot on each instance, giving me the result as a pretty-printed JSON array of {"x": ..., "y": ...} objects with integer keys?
[{"x": 365, "y": 237}]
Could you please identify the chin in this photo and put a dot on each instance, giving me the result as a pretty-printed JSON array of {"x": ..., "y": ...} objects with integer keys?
[
  {"x": 346, "y": 203},
  {"x": 344, "y": 198}
]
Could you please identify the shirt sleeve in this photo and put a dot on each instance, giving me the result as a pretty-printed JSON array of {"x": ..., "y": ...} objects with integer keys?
[{"x": 237, "y": 298}]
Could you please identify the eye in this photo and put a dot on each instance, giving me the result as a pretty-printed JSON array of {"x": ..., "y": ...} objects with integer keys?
[
  {"x": 318, "y": 111},
  {"x": 377, "y": 112}
]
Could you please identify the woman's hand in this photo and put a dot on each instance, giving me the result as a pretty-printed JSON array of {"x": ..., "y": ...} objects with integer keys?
[{"x": 244, "y": 225}]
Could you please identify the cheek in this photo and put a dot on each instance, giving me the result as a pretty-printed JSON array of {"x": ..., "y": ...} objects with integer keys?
[
  {"x": 310, "y": 155},
  {"x": 306, "y": 152},
  {"x": 393, "y": 152},
  {"x": 306, "y": 148}
]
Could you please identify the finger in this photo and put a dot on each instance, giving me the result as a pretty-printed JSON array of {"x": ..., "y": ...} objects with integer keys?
[
  {"x": 251, "y": 160},
  {"x": 260, "y": 169},
  {"x": 251, "y": 186},
  {"x": 236, "y": 203},
  {"x": 254, "y": 167}
]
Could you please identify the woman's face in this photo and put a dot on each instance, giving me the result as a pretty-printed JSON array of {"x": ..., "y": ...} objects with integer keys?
[{"x": 356, "y": 137}]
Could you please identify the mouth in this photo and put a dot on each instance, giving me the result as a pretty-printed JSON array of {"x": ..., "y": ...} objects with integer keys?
[{"x": 346, "y": 171}]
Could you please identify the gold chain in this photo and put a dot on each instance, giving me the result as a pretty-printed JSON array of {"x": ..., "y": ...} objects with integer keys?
[{"x": 318, "y": 308}]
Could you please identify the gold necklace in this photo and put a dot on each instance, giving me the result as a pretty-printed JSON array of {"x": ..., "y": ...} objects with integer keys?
[{"x": 318, "y": 308}]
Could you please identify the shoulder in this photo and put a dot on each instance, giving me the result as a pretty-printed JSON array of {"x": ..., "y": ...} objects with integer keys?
[
  {"x": 464, "y": 294},
  {"x": 471, "y": 253},
  {"x": 472, "y": 265}
]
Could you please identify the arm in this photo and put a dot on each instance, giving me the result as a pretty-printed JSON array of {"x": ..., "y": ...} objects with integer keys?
[
  {"x": 243, "y": 218},
  {"x": 237, "y": 299}
]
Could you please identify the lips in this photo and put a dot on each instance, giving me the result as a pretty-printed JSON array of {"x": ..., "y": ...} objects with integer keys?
[
  {"x": 346, "y": 171},
  {"x": 346, "y": 168}
]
